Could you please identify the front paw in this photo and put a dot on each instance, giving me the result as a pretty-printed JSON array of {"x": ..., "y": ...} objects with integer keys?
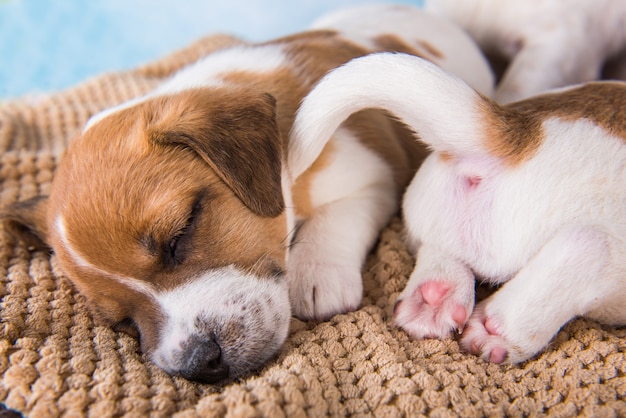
[
  {"x": 318, "y": 291},
  {"x": 432, "y": 310}
]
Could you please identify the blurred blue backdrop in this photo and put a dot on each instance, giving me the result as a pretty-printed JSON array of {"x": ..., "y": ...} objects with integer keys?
[{"x": 50, "y": 45}]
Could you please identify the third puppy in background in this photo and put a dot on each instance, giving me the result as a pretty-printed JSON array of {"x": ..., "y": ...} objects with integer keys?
[{"x": 550, "y": 43}]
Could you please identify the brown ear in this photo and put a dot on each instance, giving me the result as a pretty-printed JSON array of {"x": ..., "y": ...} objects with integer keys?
[
  {"x": 27, "y": 221},
  {"x": 236, "y": 134}
]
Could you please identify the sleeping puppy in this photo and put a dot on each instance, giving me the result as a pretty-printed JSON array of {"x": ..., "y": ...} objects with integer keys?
[
  {"x": 549, "y": 43},
  {"x": 530, "y": 196},
  {"x": 175, "y": 214}
]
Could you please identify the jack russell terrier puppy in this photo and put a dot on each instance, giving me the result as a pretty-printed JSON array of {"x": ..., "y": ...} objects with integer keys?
[
  {"x": 549, "y": 43},
  {"x": 174, "y": 213},
  {"x": 530, "y": 196}
]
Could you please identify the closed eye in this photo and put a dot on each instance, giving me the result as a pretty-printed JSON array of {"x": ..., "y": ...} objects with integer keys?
[
  {"x": 172, "y": 248},
  {"x": 175, "y": 250}
]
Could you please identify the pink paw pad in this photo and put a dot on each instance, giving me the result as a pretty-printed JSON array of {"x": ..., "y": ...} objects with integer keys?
[
  {"x": 432, "y": 311},
  {"x": 497, "y": 355},
  {"x": 434, "y": 292},
  {"x": 491, "y": 327},
  {"x": 489, "y": 343}
]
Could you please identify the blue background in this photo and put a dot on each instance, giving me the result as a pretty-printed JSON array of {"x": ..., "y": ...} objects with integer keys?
[{"x": 48, "y": 45}]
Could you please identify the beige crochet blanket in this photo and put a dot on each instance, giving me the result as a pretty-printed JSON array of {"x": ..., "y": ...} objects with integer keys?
[{"x": 55, "y": 361}]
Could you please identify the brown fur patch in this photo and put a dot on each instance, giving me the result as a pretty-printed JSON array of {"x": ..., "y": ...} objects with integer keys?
[
  {"x": 111, "y": 304},
  {"x": 311, "y": 54},
  {"x": 234, "y": 131},
  {"x": 319, "y": 52},
  {"x": 431, "y": 50},
  {"x": 390, "y": 139},
  {"x": 301, "y": 194},
  {"x": 511, "y": 135},
  {"x": 515, "y": 131},
  {"x": 602, "y": 102},
  {"x": 446, "y": 157},
  {"x": 285, "y": 86},
  {"x": 27, "y": 220},
  {"x": 306, "y": 36},
  {"x": 394, "y": 43}
]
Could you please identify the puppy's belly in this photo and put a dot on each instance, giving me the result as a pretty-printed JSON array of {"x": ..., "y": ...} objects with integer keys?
[
  {"x": 451, "y": 207},
  {"x": 486, "y": 221}
]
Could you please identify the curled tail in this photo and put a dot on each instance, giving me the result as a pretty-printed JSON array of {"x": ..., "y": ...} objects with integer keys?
[{"x": 447, "y": 113}]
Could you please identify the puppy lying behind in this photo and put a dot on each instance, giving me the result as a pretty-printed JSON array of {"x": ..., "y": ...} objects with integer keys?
[
  {"x": 531, "y": 196},
  {"x": 550, "y": 43},
  {"x": 174, "y": 212}
]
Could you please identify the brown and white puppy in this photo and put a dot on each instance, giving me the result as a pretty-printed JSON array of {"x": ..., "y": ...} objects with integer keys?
[
  {"x": 175, "y": 212},
  {"x": 549, "y": 43},
  {"x": 530, "y": 196}
]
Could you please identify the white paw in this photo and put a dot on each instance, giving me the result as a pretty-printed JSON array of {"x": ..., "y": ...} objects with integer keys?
[
  {"x": 483, "y": 336},
  {"x": 433, "y": 309},
  {"x": 319, "y": 290}
]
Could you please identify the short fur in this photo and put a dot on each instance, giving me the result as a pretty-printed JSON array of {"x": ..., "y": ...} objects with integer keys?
[
  {"x": 530, "y": 196},
  {"x": 175, "y": 213},
  {"x": 549, "y": 43}
]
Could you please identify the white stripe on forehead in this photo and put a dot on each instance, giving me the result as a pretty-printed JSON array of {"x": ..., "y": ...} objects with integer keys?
[
  {"x": 208, "y": 72},
  {"x": 134, "y": 284}
]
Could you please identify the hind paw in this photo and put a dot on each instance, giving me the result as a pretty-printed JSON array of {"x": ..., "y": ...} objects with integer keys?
[
  {"x": 433, "y": 310},
  {"x": 483, "y": 337}
]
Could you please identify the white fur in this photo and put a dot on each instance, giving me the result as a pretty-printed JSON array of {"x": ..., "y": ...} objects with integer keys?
[
  {"x": 551, "y": 229},
  {"x": 208, "y": 71},
  {"x": 219, "y": 299},
  {"x": 550, "y": 43},
  {"x": 290, "y": 215}
]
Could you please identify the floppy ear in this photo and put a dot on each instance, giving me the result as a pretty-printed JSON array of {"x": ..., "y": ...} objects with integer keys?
[
  {"x": 236, "y": 134},
  {"x": 27, "y": 221}
]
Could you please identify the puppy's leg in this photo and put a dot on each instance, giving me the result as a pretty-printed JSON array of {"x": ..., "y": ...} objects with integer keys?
[
  {"x": 353, "y": 198},
  {"x": 324, "y": 265},
  {"x": 579, "y": 271},
  {"x": 438, "y": 298}
]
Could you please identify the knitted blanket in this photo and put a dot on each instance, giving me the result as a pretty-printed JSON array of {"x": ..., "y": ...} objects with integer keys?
[{"x": 55, "y": 361}]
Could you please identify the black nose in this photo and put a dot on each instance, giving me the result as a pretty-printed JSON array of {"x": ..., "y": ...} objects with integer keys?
[{"x": 203, "y": 361}]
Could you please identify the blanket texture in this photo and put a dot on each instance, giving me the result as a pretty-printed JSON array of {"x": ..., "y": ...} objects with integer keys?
[{"x": 55, "y": 361}]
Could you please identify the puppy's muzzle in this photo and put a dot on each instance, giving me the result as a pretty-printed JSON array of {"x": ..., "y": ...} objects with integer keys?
[
  {"x": 222, "y": 325},
  {"x": 202, "y": 360}
]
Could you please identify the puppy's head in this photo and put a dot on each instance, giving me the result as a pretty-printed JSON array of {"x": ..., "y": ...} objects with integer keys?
[{"x": 169, "y": 216}]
